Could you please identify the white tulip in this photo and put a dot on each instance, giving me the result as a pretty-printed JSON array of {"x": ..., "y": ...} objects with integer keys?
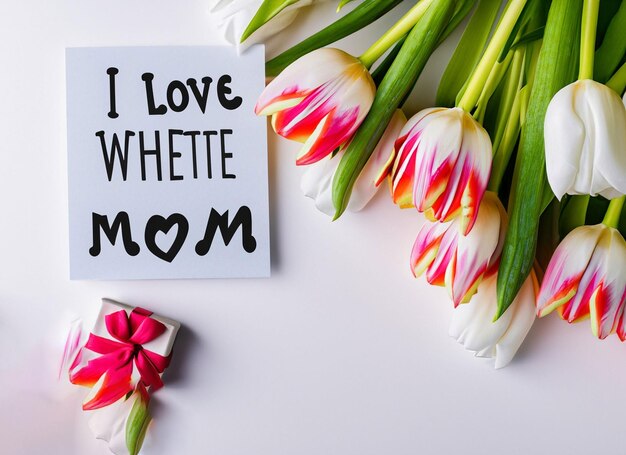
[
  {"x": 472, "y": 324},
  {"x": 233, "y": 16},
  {"x": 585, "y": 139},
  {"x": 317, "y": 181}
]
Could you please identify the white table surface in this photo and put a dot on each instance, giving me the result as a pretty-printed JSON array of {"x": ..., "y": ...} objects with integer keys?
[{"x": 340, "y": 352}]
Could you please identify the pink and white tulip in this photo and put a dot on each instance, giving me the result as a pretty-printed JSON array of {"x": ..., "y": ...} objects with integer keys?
[
  {"x": 585, "y": 139},
  {"x": 585, "y": 278},
  {"x": 320, "y": 100},
  {"x": 443, "y": 165},
  {"x": 473, "y": 326},
  {"x": 461, "y": 262},
  {"x": 317, "y": 181}
]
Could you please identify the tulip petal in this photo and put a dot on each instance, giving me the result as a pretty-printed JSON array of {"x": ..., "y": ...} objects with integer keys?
[
  {"x": 586, "y": 278},
  {"x": 379, "y": 165},
  {"x": 524, "y": 316},
  {"x": 607, "y": 301},
  {"x": 610, "y": 147},
  {"x": 565, "y": 271},
  {"x": 436, "y": 274},
  {"x": 317, "y": 183},
  {"x": 426, "y": 247},
  {"x": 331, "y": 132},
  {"x": 452, "y": 155},
  {"x": 474, "y": 320},
  {"x": 109, "y": 424},
  {"x": 585, "y": 139},
  {"x": 328, "y": 65},
  {"x": 403, "y": 171},
  {"x": 475, "y": 251},
  {"x": 112, "y": 386},
  {"x": 320, "y": 100},
  {"x": 281, "y": 103},
  {"x": 473, "y": 326}
]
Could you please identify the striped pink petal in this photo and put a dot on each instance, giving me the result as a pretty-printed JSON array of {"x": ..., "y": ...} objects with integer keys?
[
  {"x": 586, "y": 278},
  {"x": 478, "y": 251},
  {"x": 565, "y": 271},
  {"x": 460, "y": 262},
  {"x": 319, "y": 100},
  {"x": 426, "y": 254},
  {"x": 380, "y": 164},
  {"x": 403, "y": 171},
  {"x": 606, "y": 303},
  {"x": 451, "y": 154},
  {"x": 317, "y": 181}
]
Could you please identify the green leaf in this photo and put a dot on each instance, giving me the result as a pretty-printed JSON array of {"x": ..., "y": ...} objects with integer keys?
[
  {"x": 343, "y": 3},
  {"x": 399, "y": 80},
  {"x": 556, "y": 67},
  {"x": 529, "y": 37},
  {"x": 468, "y": 52},
  {"x": 613, "y": 49},
  {"x": 137, "y": 423},
  {"x": 608, "y": 10},
  {"x": 461, "y": 11},
  {"x": 363, "y": 15},
  {"x": 549, "y": 237},
  {"x": 268, "y": 10}
]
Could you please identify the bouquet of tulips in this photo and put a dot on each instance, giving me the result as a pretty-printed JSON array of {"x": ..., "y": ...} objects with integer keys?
[{"x": 520, "y": 170}]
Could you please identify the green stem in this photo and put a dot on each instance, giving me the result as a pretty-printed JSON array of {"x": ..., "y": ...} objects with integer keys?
[
  {"x": 512, "y": 87},
  {"x": 395, "y": 33},
  {"x": 591, "y": 9},
  {"x": 490, "y": 57},
  {"x": 618, "y": 80},
  {"x": 613, "y": 213},
  {"x": 505, "y": 148},
  {"x": 574, "y": 214},
  {"x": 492, "y": 83}
]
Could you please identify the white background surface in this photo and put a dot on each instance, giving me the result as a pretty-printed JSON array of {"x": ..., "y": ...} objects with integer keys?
[{"x": 340, "y": 352}]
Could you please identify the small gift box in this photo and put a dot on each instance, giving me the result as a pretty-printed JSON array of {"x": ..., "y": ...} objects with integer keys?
[{"x": 122, "y": 361}]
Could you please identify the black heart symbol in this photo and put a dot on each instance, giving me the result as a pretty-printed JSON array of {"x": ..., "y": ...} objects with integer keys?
[{"x": 158, "y": 224}]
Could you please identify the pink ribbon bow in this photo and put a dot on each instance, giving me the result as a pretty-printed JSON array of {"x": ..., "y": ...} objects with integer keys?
[{"x": 117, "y": 357}]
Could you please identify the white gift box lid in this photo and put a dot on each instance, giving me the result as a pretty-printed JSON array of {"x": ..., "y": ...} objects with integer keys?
[{"x": 161, "y": 345}]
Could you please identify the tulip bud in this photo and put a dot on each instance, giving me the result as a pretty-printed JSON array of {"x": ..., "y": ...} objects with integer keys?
[
  {"x": 460, "y": 262},
  {"x": 586, "y": 277},
  {"x": 443, "y": 165},
  {"x": 585, "y": 139},
  {"x": 321, "y": 100},
  {"x": 317, "y": 181},
  {"x": 473, "y": 326}
]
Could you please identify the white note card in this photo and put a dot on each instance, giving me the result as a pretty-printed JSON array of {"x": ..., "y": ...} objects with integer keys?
[{"x": 167, "y": 163}]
